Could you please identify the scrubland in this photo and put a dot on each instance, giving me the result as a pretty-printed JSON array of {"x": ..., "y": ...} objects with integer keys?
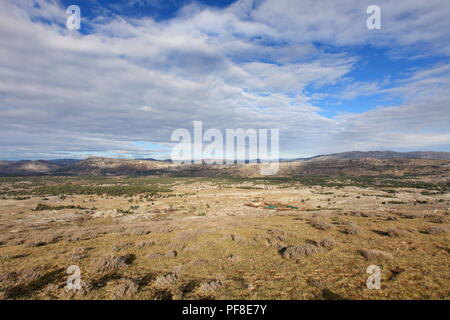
[{"x": 223, "y": 237}]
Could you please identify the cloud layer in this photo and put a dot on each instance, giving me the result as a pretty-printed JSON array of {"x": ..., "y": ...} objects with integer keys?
[{"x": 255, "y": 64}]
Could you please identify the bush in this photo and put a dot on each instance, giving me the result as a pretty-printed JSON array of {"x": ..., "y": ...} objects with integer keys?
[
  {"x": 327, "y": 243},
  {"x": 376, "y": 255},
  {"x": 351, "y": 229},
  {"x": 43, "y": 207},
  {"x": 111, "y": 263},
  {"x": 320, "y": 224},
  {"x": 298, "y": 252},
  {"x": 436, "y": 230},
  {"x": 208, "y": 288},
  {"x": 123, "y": 288},
  {"x": 395, "y": 232}
]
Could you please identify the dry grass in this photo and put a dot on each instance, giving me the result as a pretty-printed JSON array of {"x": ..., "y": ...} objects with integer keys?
[
  {"x": 43, "y": 238},
  {"x": 396, "y": 232},
  {"x": 299, "y": 252},
  {"x": 378, "y": 256},
  {"x": 112, "y": 263},
  {"x": 231, "y": 252},
  {"x": 142, "y": 244},
  {"x": 166, "y": 281},
  {"x": 435, "y": 230},
  {"x": 327, "y": 243},
  {"x": 208, "y": 289},
  {"x": 351, "y": 229},
  {"x": 320, "y": 224},
  {"x": 122, "y": 288},
  {"x": 438, "y": 219},
  {"x": 412, "y": 215}
]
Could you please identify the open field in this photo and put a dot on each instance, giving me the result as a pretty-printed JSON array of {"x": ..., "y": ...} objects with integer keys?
[
  {"x": 224, "y": 238},
  {"x": 236, "y": 150}
]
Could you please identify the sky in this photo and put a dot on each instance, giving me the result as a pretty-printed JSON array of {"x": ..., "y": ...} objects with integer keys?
[{"x": 138, "y": 70}]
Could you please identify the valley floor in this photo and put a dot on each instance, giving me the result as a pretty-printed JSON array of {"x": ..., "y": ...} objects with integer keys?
[{"x": 221, "y": 238}]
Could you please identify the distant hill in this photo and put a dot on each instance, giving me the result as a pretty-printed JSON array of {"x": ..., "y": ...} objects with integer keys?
[
  {"x": 109, "y": 166},
  {"x": 64, "y": 162},
  {"x": 153, "y": 159},
  {"x": 432, "y": 155},
  {"x": 345, "y": 163},
  {"x": 25, "y": 167}
]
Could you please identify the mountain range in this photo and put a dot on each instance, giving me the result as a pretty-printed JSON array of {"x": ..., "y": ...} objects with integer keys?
[{"x": 318, "y": 165}]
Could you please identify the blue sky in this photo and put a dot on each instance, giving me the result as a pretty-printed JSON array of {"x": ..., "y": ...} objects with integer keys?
[
  {"x": 157, "y": 9},
  {"x": 137, "y": 70}
]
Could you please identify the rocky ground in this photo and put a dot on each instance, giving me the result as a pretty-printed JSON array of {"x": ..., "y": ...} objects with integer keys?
[{"x": 223, "y": 238}]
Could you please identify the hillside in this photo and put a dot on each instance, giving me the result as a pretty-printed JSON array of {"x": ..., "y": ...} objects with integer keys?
[
  {"x": 27, "y": 167},
  {"x": 348, "y": 163},
  {"x": 432, "y": 155}
]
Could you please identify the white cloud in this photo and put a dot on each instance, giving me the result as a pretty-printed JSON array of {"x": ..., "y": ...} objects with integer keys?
[{"x": 246, "y": 66}]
